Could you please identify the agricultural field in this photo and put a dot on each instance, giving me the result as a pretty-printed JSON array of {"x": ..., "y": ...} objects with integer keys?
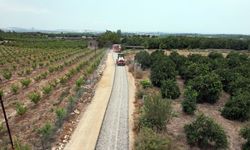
[
  {"x": 191, "y": 99},
  {"x": 41, "y": 82}
]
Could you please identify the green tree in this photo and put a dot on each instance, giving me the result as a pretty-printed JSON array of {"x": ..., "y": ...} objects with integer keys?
[
  {"x": 143, "y": 58},
  {"x": 161, "y": 70},
  {"x": 208, "y": 87},
  {"x": 238, "y": 107},
  {"x": 245, "y": 133},
  {"x": 206, "y": 133},
  {"x": 189, "y": 102},
  {"x": 169, "y": 89}
]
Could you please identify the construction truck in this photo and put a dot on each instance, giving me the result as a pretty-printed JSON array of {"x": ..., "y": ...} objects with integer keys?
[
  {"x": 120, "y": 61},
  {"x": 116, "y": 48}
]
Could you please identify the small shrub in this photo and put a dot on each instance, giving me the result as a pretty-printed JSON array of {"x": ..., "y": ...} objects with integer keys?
[
  {"x": 204, "y": 132},
  {"x": 145, "y": 84},
  {"x": 19, "y": 146},
  {"x": 27, "y": 71},
  {"x": 46, "y": 131},
  {"x": 7, "y": 74},
  {"x": 189, "y": 102},
  {"x": 25, "y": 82},
  {"x": 61, "y": 114},
  {"x": 169, "y": 89},
  {"x": 14, "y": 88},
  {"x": 20, "y": 109},
  {"x": 44, "y": 75},
  {"x": 149, "y": 140},
  {"x": 245, "y": 133},
  {"x": 238, "y": 107},
  {"x": 34, "y": 97},
  {"x": 79, "y": 82},
  {"x": 47, "y": 89},
  {"x": 156, "y": 112}
]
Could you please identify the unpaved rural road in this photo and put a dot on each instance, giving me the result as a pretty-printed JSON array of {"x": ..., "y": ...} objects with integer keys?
[{"x": 114, "y": 134}]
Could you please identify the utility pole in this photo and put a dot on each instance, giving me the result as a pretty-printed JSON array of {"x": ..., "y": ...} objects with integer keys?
[{"x": 6, "y": 121}]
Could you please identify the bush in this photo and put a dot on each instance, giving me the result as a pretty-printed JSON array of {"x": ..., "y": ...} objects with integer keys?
[
  {"x": 245, "y": 133},
  {"x": 7, "y": 74},
  {"x": 14, "y": 88},
  {"x": 150, "y": 140},
  {"x": 215, "y": 55},
  {"x": 240, "y": 83},
  {"x": 169, "y": 89},
  {"x": 34, "y": 97},
  {"x": 161, "y": 70},
  {"x": 189, "y": 102},
  {"x": 47, "y": 89},
  {"x": 61, "y": 114},
  {"x": 156, "y": 55},
  {"x": 46, "y": 132},
  {"x": 143, "y": 58},
  {"x": 156, "y": 112},
  {"x": 25, "y": 82},
  {"x": 205, "y": 133},
  {"x": 238, "y": 107},
  {"x": 20, "y": 109},
  {"x": 208, "y": 87},
  {"x": 194, "y": 69},
  {"x": 20, "y": 146},
  {"x": 145, "y": 84},
  {"x": 79, "y": 82}
]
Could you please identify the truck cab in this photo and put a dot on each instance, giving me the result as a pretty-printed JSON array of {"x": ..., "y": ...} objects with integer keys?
[{"x": 120, "y": 61}]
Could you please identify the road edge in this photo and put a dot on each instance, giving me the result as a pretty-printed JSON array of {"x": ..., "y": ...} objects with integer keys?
[
  {"x": 132, "y": 89},
  {"x": 77, "y": 145}
]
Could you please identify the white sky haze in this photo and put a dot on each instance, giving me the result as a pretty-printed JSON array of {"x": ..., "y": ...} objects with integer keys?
[{"x": 172, "y": 16}]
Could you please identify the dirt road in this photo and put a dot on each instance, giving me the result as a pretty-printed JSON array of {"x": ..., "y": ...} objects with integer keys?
[
  {"x": 87, "y": 131},
  {"x": 114, "y": 134}
]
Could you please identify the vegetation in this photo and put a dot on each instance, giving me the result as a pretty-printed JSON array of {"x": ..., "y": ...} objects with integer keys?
[
  {"x": 189, "y": 102},
  {"x": 19, "y": 146},
  {"x": 156, "y": 112},
  {"x": 61, "y": 114},
  {"x": 207, "y": 86},
  {"x": 206, "y": 133},
  {"x": 143, "y": 58},
  {"x": 7, "y": 74},
  {"x": 14, "y": 88},
  {"x": 162, "y": 69},
  {"x": 47, "y": 89},
  {"x": 145, "y": 84},
  {"x": 238, "y": 107},
  {"x": 245, "y": 133},
  {"x": 169, "y": 89},
  {"x": 34, "y": 97},
  {"x": 20, "y": 109},
  {"x": 25, "y": 82},
  {"x": 150, "y": 140}
]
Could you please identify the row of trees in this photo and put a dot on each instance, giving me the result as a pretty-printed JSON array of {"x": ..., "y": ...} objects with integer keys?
[{"x": 182, "y": 42}]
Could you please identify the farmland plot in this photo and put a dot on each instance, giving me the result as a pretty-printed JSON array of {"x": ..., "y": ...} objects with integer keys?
[{"x": 38, "y": 85}]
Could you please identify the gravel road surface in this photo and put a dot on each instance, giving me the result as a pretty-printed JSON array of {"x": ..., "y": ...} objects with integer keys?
[{"x": 114, "y": 134}]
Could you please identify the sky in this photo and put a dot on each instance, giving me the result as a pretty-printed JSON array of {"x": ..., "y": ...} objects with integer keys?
[{"x": 171, "y": 16}]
